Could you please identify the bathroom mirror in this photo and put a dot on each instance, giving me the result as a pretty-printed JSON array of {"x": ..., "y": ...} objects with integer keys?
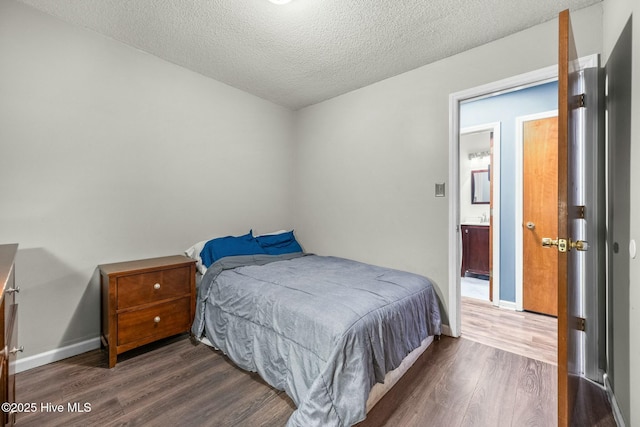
[{"x": 480, "y": 187}]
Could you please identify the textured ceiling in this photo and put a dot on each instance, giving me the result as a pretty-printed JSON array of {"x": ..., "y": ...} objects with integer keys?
[{"x": 305, "y": 51}]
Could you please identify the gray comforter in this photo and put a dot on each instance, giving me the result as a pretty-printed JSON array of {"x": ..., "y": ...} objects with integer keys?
[{"x": 323, "y": 329}]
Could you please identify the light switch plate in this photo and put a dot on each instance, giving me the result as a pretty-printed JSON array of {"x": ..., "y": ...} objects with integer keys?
[{"x": 439, "y": 189}]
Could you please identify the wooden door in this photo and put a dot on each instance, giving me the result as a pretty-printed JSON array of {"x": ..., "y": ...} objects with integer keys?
[
  {"x": 568, "y": 216},
  {"x": 539, "y": 199}
]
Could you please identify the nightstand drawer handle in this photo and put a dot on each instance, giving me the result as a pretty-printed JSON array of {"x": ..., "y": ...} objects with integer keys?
[
  {"x": 156, "y": 286},
  {"x": 156, "y": 319}
]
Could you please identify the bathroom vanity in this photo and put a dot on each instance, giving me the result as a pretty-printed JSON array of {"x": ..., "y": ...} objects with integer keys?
[{"x": 475, "y": 249}]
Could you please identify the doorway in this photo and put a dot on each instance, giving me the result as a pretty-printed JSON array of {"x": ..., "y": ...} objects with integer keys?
[
  {"x": 480, "y": 230},
  {"x": 504, "y": 291}
]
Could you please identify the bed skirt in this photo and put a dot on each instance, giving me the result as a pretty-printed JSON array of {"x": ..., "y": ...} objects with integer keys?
[{"x": 390, "y": 379}]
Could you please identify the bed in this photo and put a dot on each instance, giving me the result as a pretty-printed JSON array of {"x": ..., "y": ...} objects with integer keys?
[{"x": 325, "y": 330}]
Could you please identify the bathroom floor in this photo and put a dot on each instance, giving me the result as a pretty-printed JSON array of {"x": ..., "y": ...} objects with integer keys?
[{"x": 474, "y": 287}]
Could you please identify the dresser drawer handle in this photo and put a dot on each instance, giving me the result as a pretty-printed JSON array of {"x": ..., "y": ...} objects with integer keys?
[
  {"x": 15, "y": 350},
  {"x": 156, "y": 319},
  {"x": 156, "y": 286}
]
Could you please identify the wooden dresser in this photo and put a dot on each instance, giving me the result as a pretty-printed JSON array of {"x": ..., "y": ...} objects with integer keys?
[
  {"x": 8, "y": 331},
  {"x": 146, "y": 300},
  {"x": 475, "y": 250}
]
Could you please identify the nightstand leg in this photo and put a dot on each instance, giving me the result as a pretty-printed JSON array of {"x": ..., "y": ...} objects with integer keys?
[{"x": 113, "y": 358}]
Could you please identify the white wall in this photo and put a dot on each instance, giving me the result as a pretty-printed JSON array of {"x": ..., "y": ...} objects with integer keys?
[
  {"x": 110, "y": 154},
  {"x": 367, "y": 161},
  {"x": 616, "y": 15}
]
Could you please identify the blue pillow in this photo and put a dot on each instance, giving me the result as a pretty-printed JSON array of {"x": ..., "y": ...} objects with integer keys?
[
  {"x": 221, "y": 247},
  {"x": 277, "y": 244}
]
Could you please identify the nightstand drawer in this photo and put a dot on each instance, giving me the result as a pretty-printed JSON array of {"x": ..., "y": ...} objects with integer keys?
[
  {"x": 161, "y": 320},
  {"x": 143, "y": 288}
]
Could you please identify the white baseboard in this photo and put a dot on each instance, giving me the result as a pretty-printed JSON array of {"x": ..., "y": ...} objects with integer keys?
[
  {"x": 617, "y": 414},
  {"x": 24, "y": 364},
  {"x": 508, "y": 305}
]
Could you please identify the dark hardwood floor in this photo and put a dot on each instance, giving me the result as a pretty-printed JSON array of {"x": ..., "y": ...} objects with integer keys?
[
  {"x": 500, "y": 373},
  {"x": 172, "y": 382},
  {"x": 534, "y": 336},
  {"x": 457, "y": 382}
]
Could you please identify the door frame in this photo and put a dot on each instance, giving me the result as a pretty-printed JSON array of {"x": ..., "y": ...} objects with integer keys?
[
  {"x": 521, "y": 81},
  {"x": 494, "y": 127},
  {"x": 519, "y": 220}
]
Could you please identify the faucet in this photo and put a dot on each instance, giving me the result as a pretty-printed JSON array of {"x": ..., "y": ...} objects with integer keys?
[{"x": 484, "y": 217}]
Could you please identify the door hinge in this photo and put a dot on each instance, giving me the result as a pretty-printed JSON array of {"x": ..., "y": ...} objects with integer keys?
[
  {"x": 581, "y": 324},
  {"x": 579, "y": 101},
  {"x": 579, "y": 212}
]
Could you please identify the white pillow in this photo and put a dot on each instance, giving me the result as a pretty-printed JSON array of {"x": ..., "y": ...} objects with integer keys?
[
  {"x": 273, "y": 233},
  {"x": 194, "y": 253}
]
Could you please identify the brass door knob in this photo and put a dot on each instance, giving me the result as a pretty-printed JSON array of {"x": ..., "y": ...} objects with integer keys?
[{"x": 561, "y": 244}]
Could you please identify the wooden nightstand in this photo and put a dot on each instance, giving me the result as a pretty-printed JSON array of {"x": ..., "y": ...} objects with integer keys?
[{"x": 146, "y": 300}]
